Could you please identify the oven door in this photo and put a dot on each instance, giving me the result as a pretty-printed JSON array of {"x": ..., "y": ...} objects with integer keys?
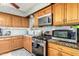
[
  {"x": 37, "y": 49},
  {"x": 66, "y": 34}
]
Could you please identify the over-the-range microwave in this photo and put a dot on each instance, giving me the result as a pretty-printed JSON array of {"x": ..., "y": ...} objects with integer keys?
[
  {"x": 66, "y": 34},
  {"x": 45, "y": 20}
]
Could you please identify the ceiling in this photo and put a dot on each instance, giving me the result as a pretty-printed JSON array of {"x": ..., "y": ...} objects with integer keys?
[{"x": 24, "y": 10}]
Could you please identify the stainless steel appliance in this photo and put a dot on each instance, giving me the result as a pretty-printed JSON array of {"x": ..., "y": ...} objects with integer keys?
[
  {"x": 38, "y": 47},
  {"x": 45, "y": 20},
  {"x": 1, "y": 32},
  {"x": 39, "y": 43},
  {"x": 66, "y": 34}
]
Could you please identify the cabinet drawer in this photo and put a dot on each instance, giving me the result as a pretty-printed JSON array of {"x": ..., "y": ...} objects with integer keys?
[
  {"x": 53, "y": 52},
  {"x": 65, "y": 54},
  {"x": 64, "y": 49},
  {"x": 70, "y": 51},
  {"x": 54, "y": 46}
]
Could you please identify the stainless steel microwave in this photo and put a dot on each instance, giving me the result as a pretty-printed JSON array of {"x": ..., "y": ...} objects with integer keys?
[
  {"x": 45, "y": 20},
  {"x": 69, "y": 34}
]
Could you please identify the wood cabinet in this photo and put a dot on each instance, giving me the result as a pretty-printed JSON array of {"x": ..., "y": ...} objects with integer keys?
[
  {"x": 16, "y": 21},
  {"x": 25, "y": 22},
  {"x": 58, "y": 50},
  {"x": 54, "y": 52},
  {"x": 2, "y": 19},
  {"x": 8, "y": 20},
  {"x": 17, "y": 42},
  {"x": 48, "y": 10},
  {"x": 5, "y": 46},
  {"x": 59, "y": 14},
  {"x": 41, "y": 12},
  {"x": 45, "y": 11},
  {"x": 20, "y": 21},
  {"x": 5, "y": 20},
  {"x": 65, "y": 14},
  {"x": 72, "y": 13},
  {"x": 28, "y": 43},
  {"x": 36, "y": 20}
]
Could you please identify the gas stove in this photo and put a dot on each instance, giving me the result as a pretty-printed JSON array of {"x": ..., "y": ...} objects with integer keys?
[{"x": 43, "y": 37}]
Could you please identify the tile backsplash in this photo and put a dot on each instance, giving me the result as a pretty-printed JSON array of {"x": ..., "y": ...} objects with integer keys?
[{"x": 14, "y": 31}]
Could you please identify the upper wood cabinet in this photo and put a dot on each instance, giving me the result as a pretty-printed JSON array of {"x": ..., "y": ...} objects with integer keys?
[
  {"x": 48, "y": 10},
  {"x": 16, "y": 21},
  {"x": 8, "y": 21},
  {"x": 25, "y": 22},
  {"x": 59, "y": 14},
  {"x": 36, "y": 20},
  {"x": 44, "y": 11},
  {"x": 5, "y": 20},
  {"x": 41, "y": 12},
  {"x": 65, "y": 14},
  {"x": 2, "y": 19},
  {"x": 72, "y": 13}
]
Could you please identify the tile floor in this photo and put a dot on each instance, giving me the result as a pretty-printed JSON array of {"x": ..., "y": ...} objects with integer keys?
[{"x": 20, "y": 52}]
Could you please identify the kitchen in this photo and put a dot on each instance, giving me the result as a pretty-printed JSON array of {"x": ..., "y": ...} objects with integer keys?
[{"x": 39, "y": 29}]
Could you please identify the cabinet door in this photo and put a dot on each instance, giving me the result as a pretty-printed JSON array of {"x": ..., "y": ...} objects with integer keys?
[
  {"x": 2, "y": 19},
  {"x": 40, "y": 13},
  {"x": 47, "y": 10},
  {"x": 16, "y": 21},
  {"x": 28, "y": 43},
  {"x": 53, "y": 52},
  {"x": 58, "y": 14},
  {"x": 64, "y": 54},
  {"x": 36, "y": 20},
  {"x": 44, "y": 11},
  {"x": 8, "y": 20},
  {"x": 5, "y": 19},
  {"x": 78, "y": 13},
  {"x": 16, "y": 43},
  {"x": 5, "y": 46},
  {"x": 71, "y": 13},
  {"x": 25, "y": 22}
]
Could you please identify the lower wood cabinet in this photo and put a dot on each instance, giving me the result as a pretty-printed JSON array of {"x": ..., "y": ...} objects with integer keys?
[
  {"x": 64, "y": 54},
  {"x": 28, "y": 43},
  {"x": 53, "y": 52},
  {"x": 5, "y": 46},
  {"x": 16, "y": 43},
  {"x": 58, "y": 50},
  {"x": 13, "y": 43}
]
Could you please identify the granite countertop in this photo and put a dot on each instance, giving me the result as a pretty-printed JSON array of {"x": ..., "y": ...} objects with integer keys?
[
  {"x": 67, "y": 44},
  {"x": 12, "y": 36}
]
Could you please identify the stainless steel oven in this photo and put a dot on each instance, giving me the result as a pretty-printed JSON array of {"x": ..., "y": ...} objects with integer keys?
[
  {"x": 38, "y": 47},
  {"x": 66, "y": 34}
]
